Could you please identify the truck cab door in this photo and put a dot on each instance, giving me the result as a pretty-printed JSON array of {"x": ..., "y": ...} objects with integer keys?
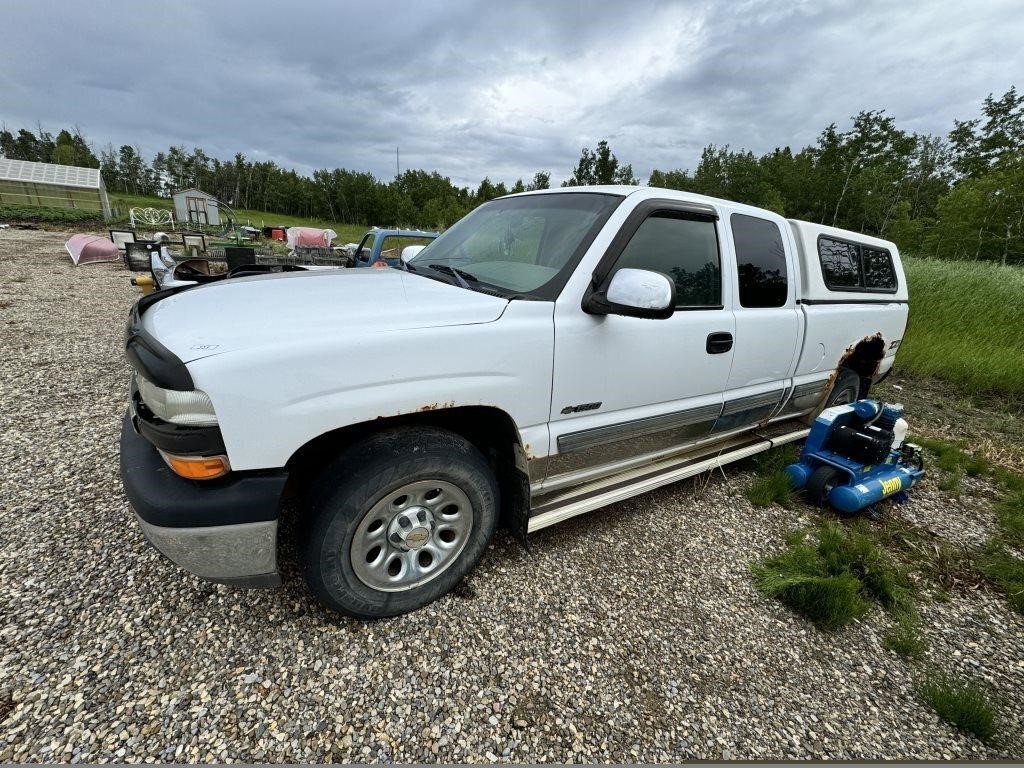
[
  {"x": 769, "y": 326},
  {"x": 624, "y": 387},
  {"x": 365, "y": 252}
]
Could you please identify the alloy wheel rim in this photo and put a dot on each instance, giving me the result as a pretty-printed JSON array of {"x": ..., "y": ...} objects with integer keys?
[{"x": 411, "y": 535}]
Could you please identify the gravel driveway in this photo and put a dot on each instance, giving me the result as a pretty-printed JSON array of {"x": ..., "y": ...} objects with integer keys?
[{"x": 631, "y": 634}]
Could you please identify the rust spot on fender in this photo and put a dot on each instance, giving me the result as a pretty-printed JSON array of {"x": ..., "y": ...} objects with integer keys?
[
  {"x": 435, "y": 406},
  {"x": 864, "y": 357}
]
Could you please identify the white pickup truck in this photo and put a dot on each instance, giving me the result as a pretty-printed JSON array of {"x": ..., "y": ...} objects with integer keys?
[{"x": 550, "y": 354}]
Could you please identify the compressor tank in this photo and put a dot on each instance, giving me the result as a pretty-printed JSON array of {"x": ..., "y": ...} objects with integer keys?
[{"x": 883, "y": 482}]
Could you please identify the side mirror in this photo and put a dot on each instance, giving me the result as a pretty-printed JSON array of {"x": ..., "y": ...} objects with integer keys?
[
  {"x": 634, "y": 293},
  {"x": 411, "y": 250}
]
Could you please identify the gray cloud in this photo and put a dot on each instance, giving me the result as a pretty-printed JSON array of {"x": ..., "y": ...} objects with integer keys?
[{"x": 477, "y": 88}]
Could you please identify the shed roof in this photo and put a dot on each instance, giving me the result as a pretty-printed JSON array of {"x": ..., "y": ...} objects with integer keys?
[
  {"x": 193, "y": 189},
  {"x": 49, "y": 173}
]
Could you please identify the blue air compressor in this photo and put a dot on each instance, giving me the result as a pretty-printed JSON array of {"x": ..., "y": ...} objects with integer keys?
[{"x": 855, "y": 456}]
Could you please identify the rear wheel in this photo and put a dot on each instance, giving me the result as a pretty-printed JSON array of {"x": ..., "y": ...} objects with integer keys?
[
  {"x": 820, "y": 484},
  {"x": 845, "y": 390},
  {"x": 397, "y": 521}
]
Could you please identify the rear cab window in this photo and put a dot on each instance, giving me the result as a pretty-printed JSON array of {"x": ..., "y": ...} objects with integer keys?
[
  {"x": 760, "y": 261},
  {"x": 849, "y": 266}
]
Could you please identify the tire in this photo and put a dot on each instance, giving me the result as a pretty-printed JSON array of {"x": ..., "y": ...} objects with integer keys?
[
  {"x": 820, "y": 483},
  {"x": 430, "y": 488},
  {"x": 845, "y": 390}
]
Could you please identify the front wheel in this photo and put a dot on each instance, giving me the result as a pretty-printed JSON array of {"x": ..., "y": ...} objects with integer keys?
[{"x": 397, "y": 521}]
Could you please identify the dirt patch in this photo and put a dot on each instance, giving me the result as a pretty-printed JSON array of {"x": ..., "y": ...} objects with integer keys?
[{"x": 985, "y": 425}]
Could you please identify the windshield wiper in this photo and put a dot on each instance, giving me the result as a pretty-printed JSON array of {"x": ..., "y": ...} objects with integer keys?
[{"x": 464, "y": 278}]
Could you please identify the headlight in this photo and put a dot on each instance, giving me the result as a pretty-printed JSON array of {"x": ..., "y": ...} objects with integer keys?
[{"x": 192, "y": 408}]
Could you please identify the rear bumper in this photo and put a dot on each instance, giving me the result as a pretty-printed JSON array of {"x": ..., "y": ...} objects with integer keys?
[{"x": 222, "y": 530}]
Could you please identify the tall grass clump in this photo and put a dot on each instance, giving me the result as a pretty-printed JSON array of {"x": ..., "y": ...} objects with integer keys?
[
  {"x": 834, "y": 577},
  {"x": 906, "y": 640},
  {"x": 772, "y": 483},
  {"x": 962, "y": 704},
  {"x": 1005, "y": 571},
  {"x": 1010, "y": 513},
  {"x": 965, "y": 321}
]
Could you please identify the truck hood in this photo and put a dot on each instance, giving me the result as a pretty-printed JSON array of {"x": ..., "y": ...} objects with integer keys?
[{"x": 245, "y": 312}]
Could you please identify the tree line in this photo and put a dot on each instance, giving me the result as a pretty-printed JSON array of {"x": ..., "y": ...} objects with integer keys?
[{"x": 958, "y": 196}]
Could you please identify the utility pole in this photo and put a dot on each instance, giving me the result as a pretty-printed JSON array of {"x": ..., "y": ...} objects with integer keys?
[{"x": 398, "y": 168}]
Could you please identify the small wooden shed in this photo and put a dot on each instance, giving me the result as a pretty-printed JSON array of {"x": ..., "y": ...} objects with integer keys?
[{"x": 197, "y": 207}]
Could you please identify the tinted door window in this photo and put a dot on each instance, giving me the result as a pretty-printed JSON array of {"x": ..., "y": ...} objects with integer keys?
[
  {"x": 840, "y": 263},
  {"x": 761, "y": 261},
  {"x": 686, "y": 250},
  {"x": 878, "y": 270}
]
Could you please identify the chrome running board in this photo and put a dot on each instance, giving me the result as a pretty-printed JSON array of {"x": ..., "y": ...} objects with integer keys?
[{"x": 609, "y": 490}]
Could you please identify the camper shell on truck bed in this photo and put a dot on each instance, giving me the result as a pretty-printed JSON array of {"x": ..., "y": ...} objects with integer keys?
[{"x": 549, "y": 354}]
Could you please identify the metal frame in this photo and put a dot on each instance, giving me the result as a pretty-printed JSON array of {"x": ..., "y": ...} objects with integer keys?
[
  {"x": 201, "y": 244},
  {"x": 120, "y": 237},
  {"x": 151, "y": 217}
]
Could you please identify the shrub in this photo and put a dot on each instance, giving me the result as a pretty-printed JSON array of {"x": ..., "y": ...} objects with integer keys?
[
  {"x": 48, "y": 215},
  {"x": 833, "y": 581},
  {"x": 962, "y": 704}
]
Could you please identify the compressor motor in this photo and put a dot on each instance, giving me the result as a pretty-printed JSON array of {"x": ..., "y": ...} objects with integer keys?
[{"x": 856, "y": 455}]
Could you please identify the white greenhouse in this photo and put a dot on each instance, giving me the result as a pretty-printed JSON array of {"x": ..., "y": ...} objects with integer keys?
[{"x": 23, "y": 182}]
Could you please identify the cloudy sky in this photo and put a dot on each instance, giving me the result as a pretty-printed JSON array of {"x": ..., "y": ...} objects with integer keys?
[{"x": 495, "y": 88}]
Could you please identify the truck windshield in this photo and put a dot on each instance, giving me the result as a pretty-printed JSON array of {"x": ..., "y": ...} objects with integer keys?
[{"x": 525, "y": 245}]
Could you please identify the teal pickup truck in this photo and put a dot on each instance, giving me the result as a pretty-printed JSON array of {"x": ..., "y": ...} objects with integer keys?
[{"x": 387, "y": 244}]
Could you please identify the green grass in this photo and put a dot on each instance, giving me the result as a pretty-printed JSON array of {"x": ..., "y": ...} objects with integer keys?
[
  {"x": 834, "y": 578},
  {"x": 1010, "y": 513},
  {"x": 773, "y": 484},
  {"x": 963, "y": 704},
  {"x": 953, "y": 458},
  {"x": 346, "y": 232},
  {"x": 1005, "y": 571},
  {"x": 905, "y": 640},
  {"x": 965, "y": 321},
  {"x": 936, "y": 561},
  {"x": 45, "y": 215},
  {"x": 996, "y": 562}
]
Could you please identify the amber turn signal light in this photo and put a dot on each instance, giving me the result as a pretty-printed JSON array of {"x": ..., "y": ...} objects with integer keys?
[{"x": 199, "y": 467}]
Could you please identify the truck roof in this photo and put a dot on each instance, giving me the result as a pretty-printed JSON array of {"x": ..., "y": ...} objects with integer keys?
[
  {"x": 805, "y": 236},
  {"x": 402, "y": 232},
  {"x": 671, "y": 194}
]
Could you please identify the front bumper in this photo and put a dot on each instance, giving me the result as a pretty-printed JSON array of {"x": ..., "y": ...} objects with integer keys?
[{"x": 222, "y": 530}]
